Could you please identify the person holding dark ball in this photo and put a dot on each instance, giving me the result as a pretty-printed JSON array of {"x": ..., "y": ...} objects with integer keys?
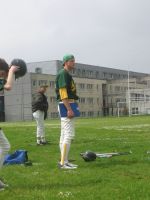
[{"x": 7, "y": 76}]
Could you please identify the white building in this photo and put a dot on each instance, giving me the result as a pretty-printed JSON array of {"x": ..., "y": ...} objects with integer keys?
[{"x": 91, "y": 82}]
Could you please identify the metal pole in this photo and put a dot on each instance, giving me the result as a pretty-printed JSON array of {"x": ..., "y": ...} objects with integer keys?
[
  {"x": 129, "y": 94},
  {"x": 118, "y": 109}
]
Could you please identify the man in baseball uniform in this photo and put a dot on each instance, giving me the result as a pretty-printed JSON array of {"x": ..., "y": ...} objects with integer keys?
[{"x": 66, "y": 94}]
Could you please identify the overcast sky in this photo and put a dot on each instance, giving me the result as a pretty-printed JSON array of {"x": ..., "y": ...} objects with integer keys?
[{"x": 109, "y": 33}]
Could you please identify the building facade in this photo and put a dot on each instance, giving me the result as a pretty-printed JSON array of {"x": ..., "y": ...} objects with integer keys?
[
  {"x": 99, "y": 88},
  {"x": 119, "y": 95}
]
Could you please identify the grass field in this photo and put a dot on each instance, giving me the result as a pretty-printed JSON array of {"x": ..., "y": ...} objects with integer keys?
[{"x": 117, "y": 178}]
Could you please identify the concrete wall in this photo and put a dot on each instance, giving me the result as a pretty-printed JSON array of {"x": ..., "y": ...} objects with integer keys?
[{"x": 18, "y": 101}]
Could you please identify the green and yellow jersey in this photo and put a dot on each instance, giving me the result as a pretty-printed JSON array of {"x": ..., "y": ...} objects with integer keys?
[{"x": 65, "y": 86}]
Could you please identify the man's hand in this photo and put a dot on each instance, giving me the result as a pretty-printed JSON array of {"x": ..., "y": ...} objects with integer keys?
[
  {"x": 70, "y": 114},
  {"x": 14, "y": 68}
]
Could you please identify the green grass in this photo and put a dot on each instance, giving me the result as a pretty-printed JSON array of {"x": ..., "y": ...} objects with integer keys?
[{"x": 117, "y": 178}]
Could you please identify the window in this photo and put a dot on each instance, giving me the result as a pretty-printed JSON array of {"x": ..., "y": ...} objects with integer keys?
[
  {"x": 111, "y": 76},
  {"x": 110, "y": 87},
  {"x": 90, "y": 100},
  {"x": 122, "y": 88},
  {"x": 97, "y": 87},
  {"x": 89, "y": 86},
  {"x": 147, "y": 98},
  {"x": 90, "y": 113},
  {"x": 98, "y": 113},
  {"x": 54, "y": 115},
  {"x": 125, "y": 76},
  {"x": 90, "y": 73},
  {"x": 82, "y": 100},
  {"x": 104, "y": 75},
  {"x": 81, "y": 85},
  {"x": 42, "y": 82},
  {"x": 137, "y": 97},
  {"x": 34, "y": 82},
  {"x": 52, "y": 99},
  {"x": 83, "y": 114},
  {"x": 135, "y": 111},
  {"x": 97, "y": 74},
  {"x": 117, "y": 88},
  {"x": 73, "y": 71},
  {"x": 78, "y": 72},
  {"x": 38, "y": 70},
  {"x": 83, "y": 73},
  {"x": 52, "y": 84}
]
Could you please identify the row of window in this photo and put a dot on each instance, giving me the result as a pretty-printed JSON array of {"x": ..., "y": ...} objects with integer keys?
[
  {"x": 114, "y": 76},
  {"x": 90, "y": 114},
  {"x": 86, "y": 86},
  {"x": 52, "y": 84},
  {"x": 89, "y": 100},
  {"x": 83, "y": 73},
  {"x": 91, "y": 74},
  {"x": 43, "y": 82},
  {"x": 97, "y": 74},
  {"x": 118, "y": 88},
  {"x": 139, "y": 97}
]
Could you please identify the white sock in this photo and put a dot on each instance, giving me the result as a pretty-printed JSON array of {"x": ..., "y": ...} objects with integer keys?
[
  {"x": 64, "y": 153},
  {"x": 38, "y": 140},
  {"x": 60, "y": 146},
  {"x": 67, "y": 153}
]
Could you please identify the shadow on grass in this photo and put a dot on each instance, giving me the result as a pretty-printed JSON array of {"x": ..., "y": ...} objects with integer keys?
[{"x": 112, "y": 163}]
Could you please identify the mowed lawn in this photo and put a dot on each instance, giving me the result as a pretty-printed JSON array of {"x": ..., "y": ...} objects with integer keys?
[{"x": 117, "y": 178}]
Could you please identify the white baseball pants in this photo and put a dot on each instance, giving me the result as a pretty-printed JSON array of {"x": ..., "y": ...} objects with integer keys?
[
  {"x": 67, "y": 130},
  {"x": 4, "y": 147},
  {"x": 39, "y": 117}
]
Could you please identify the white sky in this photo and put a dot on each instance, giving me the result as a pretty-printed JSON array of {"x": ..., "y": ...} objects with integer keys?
[{"x": 109, "y": 33}]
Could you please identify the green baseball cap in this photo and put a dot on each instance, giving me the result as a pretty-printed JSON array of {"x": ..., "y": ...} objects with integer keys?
[{"x": 68, "y": 57}]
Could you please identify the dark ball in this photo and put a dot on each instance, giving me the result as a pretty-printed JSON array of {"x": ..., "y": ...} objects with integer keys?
[
  {"x": 22, "y": 67},
  {"x": 89, "y": 156}
]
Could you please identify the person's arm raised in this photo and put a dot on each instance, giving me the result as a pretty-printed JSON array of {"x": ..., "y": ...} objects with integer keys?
[{"x": 11, "y": 77}]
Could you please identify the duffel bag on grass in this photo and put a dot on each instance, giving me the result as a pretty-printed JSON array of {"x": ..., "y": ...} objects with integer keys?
[{"x": 18, "y": 157}]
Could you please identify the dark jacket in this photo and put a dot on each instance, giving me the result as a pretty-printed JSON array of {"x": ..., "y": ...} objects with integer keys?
[{"x": 39, "y": 102}]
